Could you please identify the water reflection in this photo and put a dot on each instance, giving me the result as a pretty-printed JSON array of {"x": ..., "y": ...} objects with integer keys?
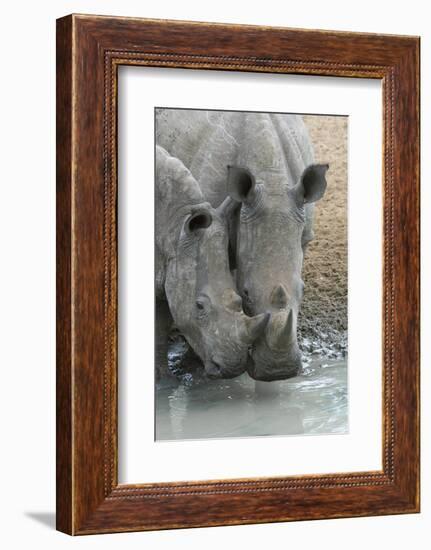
[{"x": 313, "y": 403}]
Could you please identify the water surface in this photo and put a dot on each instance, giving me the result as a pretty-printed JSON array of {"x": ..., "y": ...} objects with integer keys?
[{"x": 313, "y": 403}]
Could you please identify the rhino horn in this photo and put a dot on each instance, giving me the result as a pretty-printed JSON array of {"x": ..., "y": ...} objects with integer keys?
[
  {"x": 286, "y": 335},
  {"x": 279, "y": 297},
  {"x": 280, "y": 334},
  {"x": 255, "y": 327}
]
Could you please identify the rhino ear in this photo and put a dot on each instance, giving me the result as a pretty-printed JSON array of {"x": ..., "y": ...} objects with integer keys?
[
  {"x": 199, "y": 220},
  {"x": 227, "y": 208},
  {"x": 240, "y": 183},
  {"x": 312, "y": 185}
]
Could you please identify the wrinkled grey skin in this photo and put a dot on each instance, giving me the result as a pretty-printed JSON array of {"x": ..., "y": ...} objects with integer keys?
[
  {"x": 265, "y": 163},
  {"x": 192, "y": 272}
]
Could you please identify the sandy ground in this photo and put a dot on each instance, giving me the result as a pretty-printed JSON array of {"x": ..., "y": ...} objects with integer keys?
[{"x": 323, "y": 317}]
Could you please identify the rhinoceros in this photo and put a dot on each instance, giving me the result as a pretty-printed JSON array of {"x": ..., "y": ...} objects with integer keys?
[
  {"x": 193, "y": 275},
  {"x": 264, "y": 162}
]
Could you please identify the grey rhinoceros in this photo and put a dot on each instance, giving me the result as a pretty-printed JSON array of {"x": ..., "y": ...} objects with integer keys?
[
  {"x": 193, "y": 275},
  {"x": 264, "y": 162}
]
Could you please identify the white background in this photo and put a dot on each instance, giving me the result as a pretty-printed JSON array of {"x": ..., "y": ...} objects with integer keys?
[
  {"x": 141, "y": 458},
  {"x": 27, "y": 123}
]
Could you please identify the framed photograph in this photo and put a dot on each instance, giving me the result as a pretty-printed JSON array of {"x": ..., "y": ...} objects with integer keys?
[{"x": 237, "y": 274}]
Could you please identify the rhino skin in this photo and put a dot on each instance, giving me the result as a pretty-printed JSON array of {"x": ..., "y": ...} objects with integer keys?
[
  {"x": 193, "y": 275},
  {"x": 264, "y": 162}
]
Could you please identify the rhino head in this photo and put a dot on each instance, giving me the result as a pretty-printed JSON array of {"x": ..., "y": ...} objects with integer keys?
[
  {"x": 193, "y": 270},
  {"x": 271, "y": 231}
]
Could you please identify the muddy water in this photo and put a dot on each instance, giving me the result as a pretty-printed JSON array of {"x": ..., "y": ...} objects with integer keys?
[{"x": 313, "y": 403}]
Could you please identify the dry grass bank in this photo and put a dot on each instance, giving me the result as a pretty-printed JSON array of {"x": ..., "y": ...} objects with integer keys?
[{"x": 324, "y": 308}]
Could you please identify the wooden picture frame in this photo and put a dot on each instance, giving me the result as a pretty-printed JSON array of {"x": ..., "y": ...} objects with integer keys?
[{"x": 89, "y": 51}]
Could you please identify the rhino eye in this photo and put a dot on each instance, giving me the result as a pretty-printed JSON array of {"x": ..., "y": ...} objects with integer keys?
[{"x": 202, "y": 304}]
